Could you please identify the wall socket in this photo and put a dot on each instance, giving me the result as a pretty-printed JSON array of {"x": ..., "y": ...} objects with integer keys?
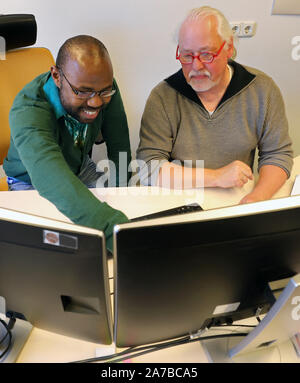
[{"x": 243, "y": 28}]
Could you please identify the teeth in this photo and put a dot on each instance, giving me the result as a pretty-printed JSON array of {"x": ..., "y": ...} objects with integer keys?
[{"x": 90, "y": 113}]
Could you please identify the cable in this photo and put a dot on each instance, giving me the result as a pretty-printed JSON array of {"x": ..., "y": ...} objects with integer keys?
[
  {"x": 187, "y": 341},
  {"x": 234, "y": 325},
  {"x": 8, "y": 327},
  {"x": 154, "y": 347},
  {"x": 99, "y": 358},
  {"x": 8, "y": 332},
  {"x": 12, "y": 321},
  {"x": 157, "y": 346},
  {"x": 130, "y": 349},
  {"x": 151, "y": 349}
]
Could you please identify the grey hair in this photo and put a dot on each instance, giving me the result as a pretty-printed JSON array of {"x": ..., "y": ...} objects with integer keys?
[{"x": 224, "y": 29}]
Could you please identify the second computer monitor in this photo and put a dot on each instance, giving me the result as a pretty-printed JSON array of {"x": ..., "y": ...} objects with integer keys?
[
  {"x": 176, "y": 275},
  {"x": 54, "y": 275}
]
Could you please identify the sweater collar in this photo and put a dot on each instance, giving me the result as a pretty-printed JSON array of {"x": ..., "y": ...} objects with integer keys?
[
  {"x": 51, "y": 92},
  {"x": 241, "y": 78}
]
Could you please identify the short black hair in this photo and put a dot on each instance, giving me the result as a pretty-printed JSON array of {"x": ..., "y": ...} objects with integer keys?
[{"x": 84, "y": 41}]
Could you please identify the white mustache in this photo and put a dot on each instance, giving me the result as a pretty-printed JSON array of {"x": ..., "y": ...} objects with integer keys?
[{"x": 199, "y": 73}]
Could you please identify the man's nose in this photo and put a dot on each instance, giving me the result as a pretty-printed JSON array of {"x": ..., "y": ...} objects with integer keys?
[
  {"x": 95, "y": 101},
  {"x": 197, "y": 64}
]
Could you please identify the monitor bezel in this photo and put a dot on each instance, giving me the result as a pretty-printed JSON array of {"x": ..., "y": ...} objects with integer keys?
[
  {"x": 228, "y": 212},
  {"x": 105, "y": 314}
]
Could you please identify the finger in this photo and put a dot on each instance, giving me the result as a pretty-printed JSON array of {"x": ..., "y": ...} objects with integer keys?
[
  {"x": 243, "y": 201},
  {"x": 244, "y": 178},
  {"x": 246, "y": 199},
  {"x": 239, "y": 183},
  {"x": 248, "y": 173},
  {"x": 245, "y": 169},
  {"x": 241, "y": 180}
]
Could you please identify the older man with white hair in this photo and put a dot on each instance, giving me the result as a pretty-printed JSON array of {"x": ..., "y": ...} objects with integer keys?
[{"x": 215, "y": 110}]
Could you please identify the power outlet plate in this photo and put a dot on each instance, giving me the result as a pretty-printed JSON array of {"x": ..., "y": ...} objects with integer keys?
[{"x": 243, "y": 28}]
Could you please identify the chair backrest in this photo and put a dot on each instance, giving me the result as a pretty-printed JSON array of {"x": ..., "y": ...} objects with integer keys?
[{"x": 19, "y": 68}]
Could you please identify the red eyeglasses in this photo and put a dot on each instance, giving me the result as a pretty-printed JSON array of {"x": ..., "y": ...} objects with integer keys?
[{"x": 204, "y": 57}]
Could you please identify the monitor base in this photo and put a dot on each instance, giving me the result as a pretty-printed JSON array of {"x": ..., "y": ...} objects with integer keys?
[
  {"x": 217, "y": 351},
  {"x": 263, "y": 343}
]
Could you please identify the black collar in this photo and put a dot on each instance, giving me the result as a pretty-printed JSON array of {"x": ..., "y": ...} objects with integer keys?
[{"x": 241, "y": 77}]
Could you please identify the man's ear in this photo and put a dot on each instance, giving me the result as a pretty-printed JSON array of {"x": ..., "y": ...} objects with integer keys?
[
  {"x": 231, "y": 51},
  {"x": 56, "y": 76}
]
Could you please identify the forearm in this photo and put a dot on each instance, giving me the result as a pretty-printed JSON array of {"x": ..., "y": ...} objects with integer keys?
[
  {"x": 235, "y": 174},
  {"x": 270, "y": 180},
  {"x": 53, "y": 178},
  {"x": 179, "y": 177}
]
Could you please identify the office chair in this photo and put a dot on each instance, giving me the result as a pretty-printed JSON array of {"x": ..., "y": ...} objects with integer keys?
[{"x": 19, "y": 67}]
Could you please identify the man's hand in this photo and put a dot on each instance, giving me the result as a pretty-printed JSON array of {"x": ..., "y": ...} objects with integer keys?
[
  {"x": 271, "y": 178},
  {"x": 252, "y": 197},
  {"x": 235, "y": 174}
]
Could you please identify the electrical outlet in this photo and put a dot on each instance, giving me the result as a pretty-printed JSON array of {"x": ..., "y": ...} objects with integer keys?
[
  {"x": 243, "y": 28},
  {"x": 248, "y": 28},
  {"x": 236, "y": 28}
]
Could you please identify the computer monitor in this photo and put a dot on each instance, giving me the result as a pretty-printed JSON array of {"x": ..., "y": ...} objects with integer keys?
[
  {"x": 54, "y": 274},
  {"x": 177, "y": 275}
]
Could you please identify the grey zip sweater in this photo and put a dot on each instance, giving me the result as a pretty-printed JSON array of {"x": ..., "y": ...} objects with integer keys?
[{"x": 176, "y": 126}]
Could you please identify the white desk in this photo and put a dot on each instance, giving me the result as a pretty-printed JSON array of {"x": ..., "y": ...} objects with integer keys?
[
  {"x": 138, "y": 201},
  {"x": 43, "y": 346}
]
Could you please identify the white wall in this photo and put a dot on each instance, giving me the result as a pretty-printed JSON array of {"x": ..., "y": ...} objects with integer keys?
[{"x": 139, "y": 35}]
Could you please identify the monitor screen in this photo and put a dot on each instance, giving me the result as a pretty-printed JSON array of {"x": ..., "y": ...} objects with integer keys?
[
  {"x": 54, "y": 275},
  {"x": 177, "y": 275}
]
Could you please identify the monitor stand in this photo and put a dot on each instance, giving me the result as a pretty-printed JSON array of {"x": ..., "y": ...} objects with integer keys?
[
  {"x": 278, "y": 326},
  {"x": 20, "y": 334}
]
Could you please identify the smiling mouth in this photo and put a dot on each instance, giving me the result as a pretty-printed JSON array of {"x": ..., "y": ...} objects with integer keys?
[{"x": 91, "y": 113}]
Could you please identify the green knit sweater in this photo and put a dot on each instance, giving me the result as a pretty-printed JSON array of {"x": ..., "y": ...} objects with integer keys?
[{"x": 43, "y": 153}]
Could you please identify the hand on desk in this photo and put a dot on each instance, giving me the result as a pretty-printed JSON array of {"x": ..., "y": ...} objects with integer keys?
[
  {"x": 251, "y": 197},
  {"x": 235, "y": 174},
  {"x": 270, "y": 180}
]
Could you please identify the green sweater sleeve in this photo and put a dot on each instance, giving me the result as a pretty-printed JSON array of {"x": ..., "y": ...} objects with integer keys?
[
  {"x": 33, "y": 127},
  {"x": 116, "y": 135}
]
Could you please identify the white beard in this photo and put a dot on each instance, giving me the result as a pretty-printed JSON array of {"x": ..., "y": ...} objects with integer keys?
[{"x": 201, "y": 85}]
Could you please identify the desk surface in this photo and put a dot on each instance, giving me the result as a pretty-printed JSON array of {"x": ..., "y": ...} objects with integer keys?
[
  {"x": 136, "y": 201},
  {"x": 43, "y": 346}
]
